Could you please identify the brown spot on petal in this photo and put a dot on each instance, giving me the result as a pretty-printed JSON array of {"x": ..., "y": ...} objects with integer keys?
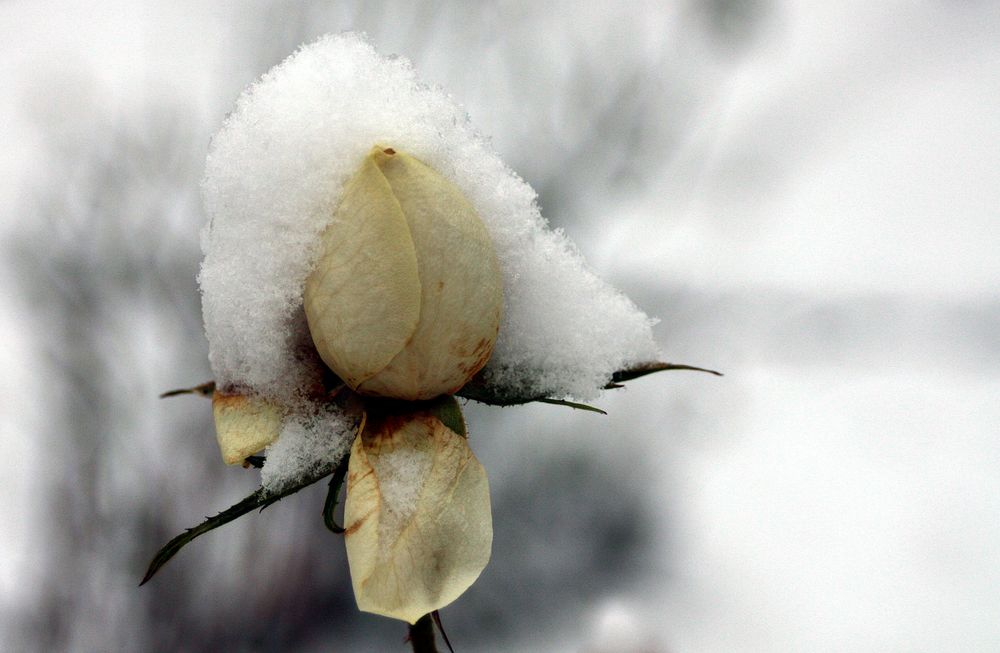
[
  {"x": 354, "y": 477},
  {"x": 231, "y": 401},
  {"x": 389, "y": 150},
  {"x": 380, "y": 428},
  {"x": 482, "y": 353},
  {"x": 353, "y": 528}
]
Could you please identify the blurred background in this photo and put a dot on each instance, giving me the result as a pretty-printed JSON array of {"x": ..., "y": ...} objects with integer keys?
[{"x": 806, "y": 194}]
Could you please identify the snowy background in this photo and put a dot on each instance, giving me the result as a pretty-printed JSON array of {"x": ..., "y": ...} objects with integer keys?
[{"x": 808, "y": 197}]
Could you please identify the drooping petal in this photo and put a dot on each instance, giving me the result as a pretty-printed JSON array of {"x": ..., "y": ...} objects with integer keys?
[
  {"x": 419, "y": 527},
  {"x": 362, "y": 300},
  {"x": 244, "y": 424},
  {"x": 461, "y": 285}
]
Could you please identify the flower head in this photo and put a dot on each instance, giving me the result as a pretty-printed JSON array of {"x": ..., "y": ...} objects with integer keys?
[
  {"x": 406, "y": 297},
  {"x": 359, "y": 225}
]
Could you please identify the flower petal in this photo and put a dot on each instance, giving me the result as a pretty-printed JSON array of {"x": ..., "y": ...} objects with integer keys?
[
  {"x": 461, "y": 285},
  {"x": 362, "y": 301},
  {"x": 244, "y": 424},
  {"x": 417, "y": 516}
]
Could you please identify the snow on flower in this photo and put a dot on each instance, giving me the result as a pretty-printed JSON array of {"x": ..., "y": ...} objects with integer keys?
[{"x": 275, "y": 175}]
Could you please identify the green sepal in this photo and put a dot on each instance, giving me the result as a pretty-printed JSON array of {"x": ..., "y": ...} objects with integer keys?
[
  {"x": 478, "y": 390},
  {"x": 206, "y": 389},
  {"x": 447, "y": 410},
  {"x": 649, "y": 368},
  {"x": 333, "y": 495},
  {"x": 571, "y": 404}
]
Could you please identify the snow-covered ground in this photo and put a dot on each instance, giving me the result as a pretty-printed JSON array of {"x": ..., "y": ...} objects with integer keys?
[{"x": 807, "y": 197}]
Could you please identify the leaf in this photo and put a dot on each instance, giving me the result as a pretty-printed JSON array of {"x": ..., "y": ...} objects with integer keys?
[
  {"x": 571, "y": 404},
  {"x": 649, "y": 368},
  {"x": 419, "y": 528},
  {"x": 259, "y": 499},
  {"x": 478, "y": 390}
]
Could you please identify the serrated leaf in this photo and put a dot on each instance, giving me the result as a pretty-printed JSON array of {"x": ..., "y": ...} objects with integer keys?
[{"x": 259, "y": 499}]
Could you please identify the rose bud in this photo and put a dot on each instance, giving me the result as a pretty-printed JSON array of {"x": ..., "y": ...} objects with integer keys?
[{"x": 406, "y": 296}]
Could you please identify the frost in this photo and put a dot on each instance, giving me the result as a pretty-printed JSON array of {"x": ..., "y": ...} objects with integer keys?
[
  {"x": 274, "y": 174},
  {"x": 402, "y": 472},
  {"x": 309, "y": 442}
]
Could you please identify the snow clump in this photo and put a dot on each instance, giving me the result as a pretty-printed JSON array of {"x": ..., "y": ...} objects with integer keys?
[{"x": 274, "y": 174}]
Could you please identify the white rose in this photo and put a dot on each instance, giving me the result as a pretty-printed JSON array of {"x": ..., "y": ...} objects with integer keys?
[{"x": 405, "y": 299}]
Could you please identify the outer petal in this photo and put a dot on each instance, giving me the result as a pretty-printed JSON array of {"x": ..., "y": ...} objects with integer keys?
[
  {"x": 362, "y": 301},
  {"x": 461, "y": 286},
  {"x": 244, "y": 424},
  {"x": 419, "y": 529}
]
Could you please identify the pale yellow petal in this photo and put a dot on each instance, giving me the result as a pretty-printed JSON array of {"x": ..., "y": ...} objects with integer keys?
[
  {"x": 461, "y": 286},
  {"x": 244, "y": 424},
  {"x": 419, "y": 527},
  {"x": 362, "y": 301}
]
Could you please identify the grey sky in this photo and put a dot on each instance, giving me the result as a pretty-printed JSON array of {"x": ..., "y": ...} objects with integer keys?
[{"x": 807, "y": 196}]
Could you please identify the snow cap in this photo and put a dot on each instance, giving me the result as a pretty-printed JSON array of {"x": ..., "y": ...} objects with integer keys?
[{"x": 274, "y": 175}]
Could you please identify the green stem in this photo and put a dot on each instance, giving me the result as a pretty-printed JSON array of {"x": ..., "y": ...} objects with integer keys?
[{"x": 333, "y": 496}]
